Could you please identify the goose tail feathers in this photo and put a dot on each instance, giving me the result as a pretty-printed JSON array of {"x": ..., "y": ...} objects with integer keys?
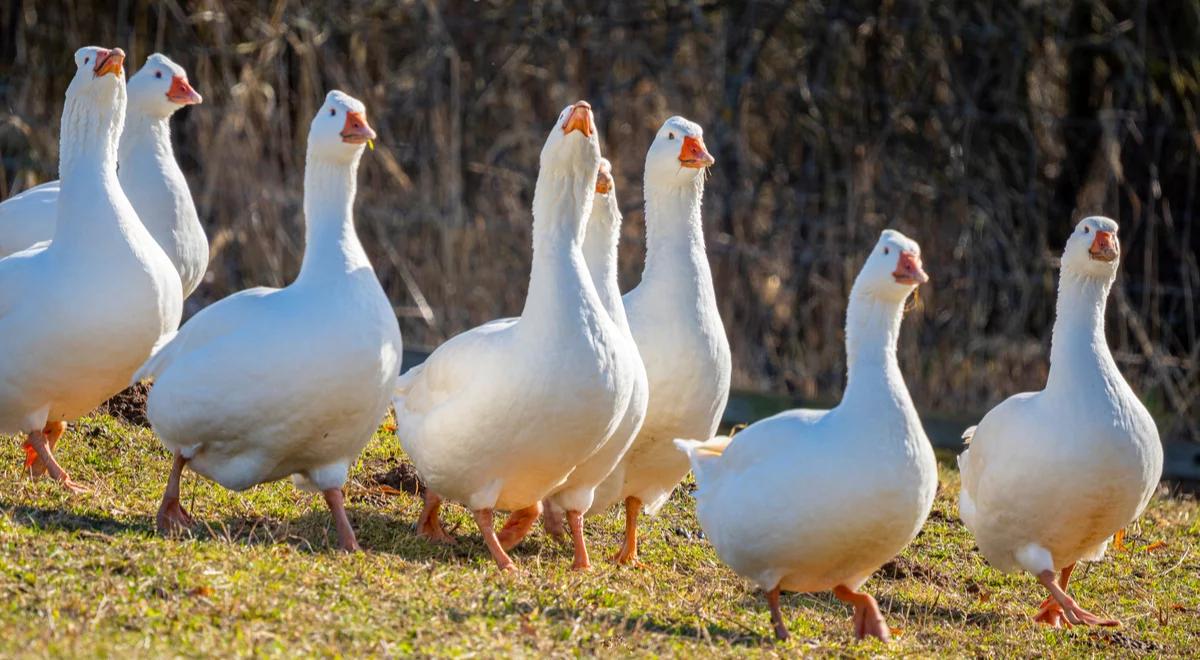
[
  {"x": 703, "y": 454},
  {"x": 160, "y": 356}
]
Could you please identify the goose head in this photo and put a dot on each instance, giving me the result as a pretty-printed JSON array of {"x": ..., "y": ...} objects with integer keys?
[
  {"x": 677, "y": 155},
  {"x": 604, "y": 177},
  {"x": 573, "y": 144},
  {"x": 1093, "y": 250},
  {"x": 161, "y": 87},
  {"x": 99, "y": 75},
  {"x": 340, "y": 129},
  {"x": 894, "y": 269}
]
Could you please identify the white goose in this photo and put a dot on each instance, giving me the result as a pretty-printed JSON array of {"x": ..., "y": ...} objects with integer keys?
[
  {"x": 270, "y": 383},
  {"x": 148, "y": 174},
  {"x": 498, "y": 416},
  {"x": 600, "y": 247},
  {"x": 675, "y": 322},
  {"x": 811, "y": 500},
  {"x": 78, "y": 315},
  {"x": 1049, "y": 476}
]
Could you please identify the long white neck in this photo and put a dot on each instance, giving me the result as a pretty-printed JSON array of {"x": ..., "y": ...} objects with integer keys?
[
  {"x": 872, "y": 330},
  {"x": 675, "y": 256},
  {"x": 600, "y": 244},
  {"x": 87, "y": 158},
  {"x": 145, "y": 136},
  {"x": 153, "y": 181},
  {"x": 331, "y": 246},
  {"x": 558, "y": 281},
  {"x": 1078, "y": 346}
]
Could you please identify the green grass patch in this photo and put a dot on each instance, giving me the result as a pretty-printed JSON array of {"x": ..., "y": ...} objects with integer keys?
[{"x": 87, "y": 575}]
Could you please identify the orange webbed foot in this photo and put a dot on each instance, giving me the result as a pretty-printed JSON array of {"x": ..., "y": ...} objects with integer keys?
[
  {"x": 1051, "y": 614},
  {"x": 172, "y": 518},
  {"x": 868, "y": 620},
  {"x": 1073, "y": 613},
  {"x": 429, "y": 525}
]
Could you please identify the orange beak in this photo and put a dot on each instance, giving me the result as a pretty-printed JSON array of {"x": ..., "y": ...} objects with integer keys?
[
  {"x": 182, "y": 93},
  {"x": 109, "y": 61},
  {"x": 357, "y": 130},
  {"x": 693, "y": 154},
  {"x": 604, "y": 181},
  {"x": 580, "y": 119},
  {"x": 909, "y": 271},
  {"x": 1104, "y": 247}
]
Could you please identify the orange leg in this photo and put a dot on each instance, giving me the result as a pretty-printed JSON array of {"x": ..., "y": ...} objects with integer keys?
[
  {"x": 552, "y": 521},
  {"x": 518, "y": 525},
  {"x": 483, "y": 518},
  {"x": 53, "y": 431},
  {"x": 1118, "y": 542},
  {"x": 575, "y": 519},
  {"x": 1050, "y": 612},
  {"x": 172, "y": 517},
  {"x": 39, "y": 441},
  {"x": 336, "y": 500},
  {"x": 781, "y": 631},
  {"x": 628, "y": 554},
  {"x": 1074, "y": 614},
  {"x": 428, "y": 525},
  {"x": 868, "y": 621}
]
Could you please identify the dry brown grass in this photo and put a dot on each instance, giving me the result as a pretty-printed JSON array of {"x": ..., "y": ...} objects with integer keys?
[{"x": 983, "y": 129}]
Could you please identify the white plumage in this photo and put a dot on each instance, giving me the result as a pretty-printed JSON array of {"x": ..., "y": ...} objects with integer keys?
[
  {"x": 811, "y": 500},
  {"x": 498, "y": 416},
  {"x": 270, "y": 383},
  {"x": 148, "y": 174},
  {"x": 677, "y": 327},
  {"x": 600, "y": 247},
  {"x": 79, "y": 314},
  {"x": 1049, "y": 476}
]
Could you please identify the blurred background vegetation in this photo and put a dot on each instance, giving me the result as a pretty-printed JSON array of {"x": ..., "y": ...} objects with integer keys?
[{"x": 983, "y": 129}]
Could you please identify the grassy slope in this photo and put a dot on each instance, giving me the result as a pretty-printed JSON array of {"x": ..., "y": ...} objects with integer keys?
[{"x": 87, "y": 575}]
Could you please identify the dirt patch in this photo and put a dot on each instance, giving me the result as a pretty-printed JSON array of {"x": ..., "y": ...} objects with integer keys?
[
  {"x": 902, "y": 568},
  {"x": 1112, "y": 638},
  {"x": 129, "y": 405},
  {"x": 403, "y": 477}
]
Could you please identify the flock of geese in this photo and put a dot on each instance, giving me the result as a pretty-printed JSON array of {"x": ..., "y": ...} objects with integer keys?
[{"x": 586, "y": 400}]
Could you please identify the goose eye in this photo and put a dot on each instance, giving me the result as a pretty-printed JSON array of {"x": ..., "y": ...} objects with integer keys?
[
  {"x": 887, "y": 250},
  {"x": 158, "y": 74},
  {"x": 670, "y": 136},
  {"x": 1087, "y": 230},
  {"x": 86, "y": 60},
  {"x": 333, "y": 112}
]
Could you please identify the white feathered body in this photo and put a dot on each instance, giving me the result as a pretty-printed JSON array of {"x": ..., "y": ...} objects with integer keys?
[
  {"x": 808, "y": 500},
  {"x": 500, "y": 415},
  {"x": 1059, "y": 472},
  {"x": 28, "y": 218},
  {"x": 675, "y": 322},
  {"x": 600, "y": 247},
  {"x": 77, "y": 317},
  {"x": 270, "y": 383},
  {"x": 156, "y": 188}
]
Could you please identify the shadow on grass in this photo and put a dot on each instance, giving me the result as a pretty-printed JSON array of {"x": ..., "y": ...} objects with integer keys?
[
  {"x": 894, "y": 610},
  {"x": 61, "y": 520},
  {"x": 311, "y": 532}
]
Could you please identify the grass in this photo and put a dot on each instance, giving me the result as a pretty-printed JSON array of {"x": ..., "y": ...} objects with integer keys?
[{"x": 87, "y": 575}]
